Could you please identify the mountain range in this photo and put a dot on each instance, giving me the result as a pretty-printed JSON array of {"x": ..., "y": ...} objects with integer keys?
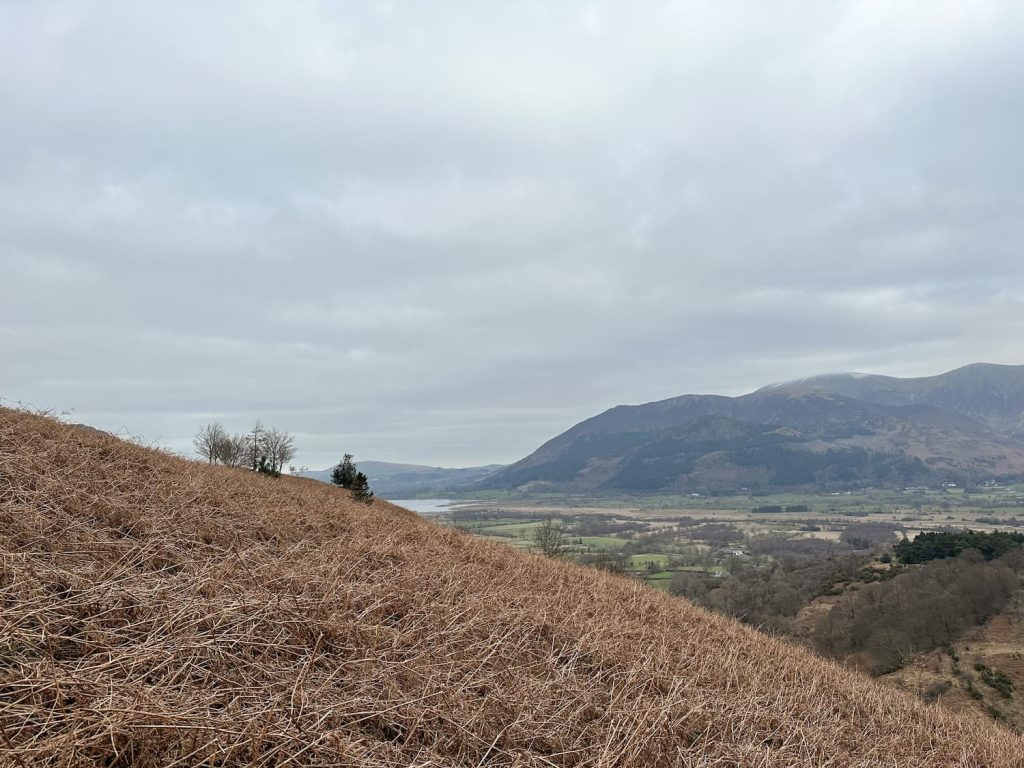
[{"x": 836, "y": 431}]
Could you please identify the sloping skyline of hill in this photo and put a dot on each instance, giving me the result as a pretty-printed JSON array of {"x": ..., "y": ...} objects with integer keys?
[{"x": 989, "y": 393}]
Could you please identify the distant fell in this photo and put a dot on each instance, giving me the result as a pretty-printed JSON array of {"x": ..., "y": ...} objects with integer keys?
[
  {"x": 397, "y": 481},
  {"x": 989, "y": 393},
  {"x": 836, "y": 432}
]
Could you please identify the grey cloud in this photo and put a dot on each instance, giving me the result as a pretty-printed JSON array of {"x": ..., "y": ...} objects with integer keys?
[{"x": 444, "y": 232}]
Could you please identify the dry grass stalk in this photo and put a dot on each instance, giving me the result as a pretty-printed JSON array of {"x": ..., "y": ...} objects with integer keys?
[{"x": 159, "y": 612}]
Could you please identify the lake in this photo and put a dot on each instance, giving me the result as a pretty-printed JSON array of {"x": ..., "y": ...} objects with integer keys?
[{"x": 427, "y": 506}]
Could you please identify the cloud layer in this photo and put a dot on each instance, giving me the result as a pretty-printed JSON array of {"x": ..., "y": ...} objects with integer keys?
[{"x": 444, "y": 232}]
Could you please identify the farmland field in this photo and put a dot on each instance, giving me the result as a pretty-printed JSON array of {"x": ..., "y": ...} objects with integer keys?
[{"x": 656, "y": 537}]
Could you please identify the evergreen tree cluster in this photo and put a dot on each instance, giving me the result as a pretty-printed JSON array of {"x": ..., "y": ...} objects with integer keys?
[
  {"x": 347, "y": 476},
  {"x": 344, "y": 474},
  {"x": 937, "y": 545}
]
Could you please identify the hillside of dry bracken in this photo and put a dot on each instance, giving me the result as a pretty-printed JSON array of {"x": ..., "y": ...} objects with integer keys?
[{"x": 160, "y": 612}]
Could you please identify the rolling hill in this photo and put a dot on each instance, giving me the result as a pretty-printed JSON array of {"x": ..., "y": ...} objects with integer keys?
[
  {"x": 834, "y": 431},
  {"x": 162, "y": 612},
  {"x": 398, "y": 481}
]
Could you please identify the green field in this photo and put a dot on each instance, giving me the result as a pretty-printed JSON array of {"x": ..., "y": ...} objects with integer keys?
[
  {"x": 512, "y": 529},
  {"x": 641, "y": 560},
  {"x": 601, "y": 542}
]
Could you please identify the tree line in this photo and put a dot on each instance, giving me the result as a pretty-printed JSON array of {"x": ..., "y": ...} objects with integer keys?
[
  {"x": 935, "y": 545},
  {"x": 262, "y": 450},
  {"x": 268, "y": 451}
]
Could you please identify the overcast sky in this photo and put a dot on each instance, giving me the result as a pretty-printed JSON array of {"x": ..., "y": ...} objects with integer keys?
[{"x": 443, "y": 232}]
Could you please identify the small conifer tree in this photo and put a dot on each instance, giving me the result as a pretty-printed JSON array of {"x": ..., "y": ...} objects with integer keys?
[
  {"x": 344, "y": 473},
  {"x": 264, "y": 467},
  {"x": 361, "y": 489}
]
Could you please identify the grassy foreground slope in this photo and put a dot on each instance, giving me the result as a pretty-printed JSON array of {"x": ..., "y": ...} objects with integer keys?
[{"x": 155, "y": 611}]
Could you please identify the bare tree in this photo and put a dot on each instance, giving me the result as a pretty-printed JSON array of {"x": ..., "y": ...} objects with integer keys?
[
  {"x": 549, "y": 538},
  {"x": 278, "y": 449},
  {"x": 233, "y": 450},
  {"x": 262, "y": 450},
  {"x": 209, "y": 440}
]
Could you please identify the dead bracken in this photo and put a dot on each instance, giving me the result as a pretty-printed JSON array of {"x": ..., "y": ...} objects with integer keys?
[{"x": 161, "y": 612}]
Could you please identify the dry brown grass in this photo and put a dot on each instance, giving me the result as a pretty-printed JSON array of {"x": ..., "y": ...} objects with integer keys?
[{"x": 159, "y": 612}]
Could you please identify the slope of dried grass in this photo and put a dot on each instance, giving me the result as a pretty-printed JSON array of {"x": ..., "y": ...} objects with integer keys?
[{"x": 159, "y": 612}]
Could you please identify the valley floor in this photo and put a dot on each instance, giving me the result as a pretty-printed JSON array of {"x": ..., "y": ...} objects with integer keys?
[{"x": 692, "y": 545}]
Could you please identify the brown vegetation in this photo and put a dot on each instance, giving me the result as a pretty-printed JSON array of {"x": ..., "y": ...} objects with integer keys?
[
  {"x": 958, "y": 676},
  {"x": 155, "y": 611}
]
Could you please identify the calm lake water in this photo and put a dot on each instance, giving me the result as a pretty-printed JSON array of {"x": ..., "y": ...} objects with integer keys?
[{"x": 427, "y": 506}]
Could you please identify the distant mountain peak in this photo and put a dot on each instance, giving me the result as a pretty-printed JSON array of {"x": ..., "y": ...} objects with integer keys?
[{"x": 813, "y": 380}]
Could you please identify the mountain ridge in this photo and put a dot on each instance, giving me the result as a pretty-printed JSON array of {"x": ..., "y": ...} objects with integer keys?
[
  {"x": 951, "y": 427},
  {"x": 989, "y": 392}
]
